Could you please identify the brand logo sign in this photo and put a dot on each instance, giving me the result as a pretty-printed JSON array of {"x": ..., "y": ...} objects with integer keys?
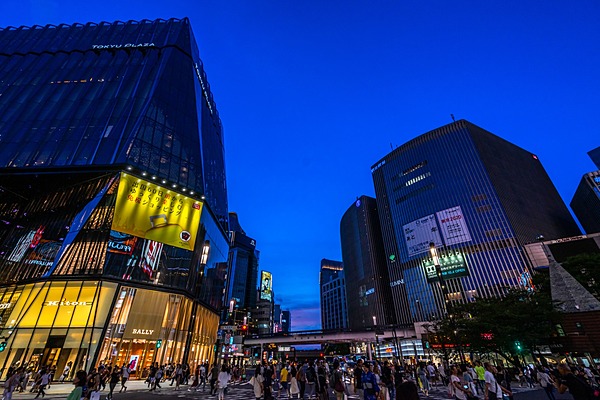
[
  {"x": 120, "y": 46},
  {"x": 143, "y": 331},
  {"x": 67, "y": 303}
]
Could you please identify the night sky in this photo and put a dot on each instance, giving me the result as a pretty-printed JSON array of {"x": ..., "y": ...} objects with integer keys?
[{"x": 312, "y": 93}]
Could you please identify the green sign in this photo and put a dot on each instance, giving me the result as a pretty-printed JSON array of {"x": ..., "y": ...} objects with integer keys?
[{"x": 452, "y": 265}]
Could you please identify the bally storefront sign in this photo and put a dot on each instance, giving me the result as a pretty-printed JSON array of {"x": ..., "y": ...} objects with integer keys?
[{"x": 146, "y": 315}]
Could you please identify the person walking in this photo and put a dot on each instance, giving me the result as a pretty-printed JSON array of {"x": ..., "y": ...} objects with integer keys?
[
  {"x": 422, "y": 376},
  {"x": 44, "y": 380},
  {"x": 125, "y": 371},
  {"x": 257, "y": 383},
  {"x": 223, "y": 381},
  {"x": 301, "y": 377},
  {"x": 357, "y": 374},
  {"x": 213, "y": 376},
  {"x": 79, "y": 381},
  {"x": 338, "y": 381},
  {"x": 577, "y": 387},
  {"x": 546, "y": 382},
  {"x": 115, "y": 377},
  {"x": 12, "y": 383},
  {"x": 283, "y": 381},
  {"x": 370, "y": 388},
  {"x": 493, "y": 390}
]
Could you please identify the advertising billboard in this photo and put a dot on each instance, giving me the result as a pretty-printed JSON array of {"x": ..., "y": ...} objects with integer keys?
[
  {"x": 453, "y": 226},
  {"x": 452, "y": 265},
  {"x": 266, "y": 286},
  {"x": 147, "y": 210},
  {"x": 418, "y": 234}
]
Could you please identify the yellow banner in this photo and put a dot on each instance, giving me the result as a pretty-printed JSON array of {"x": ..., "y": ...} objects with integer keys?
[{"x": 152, "y": 212}]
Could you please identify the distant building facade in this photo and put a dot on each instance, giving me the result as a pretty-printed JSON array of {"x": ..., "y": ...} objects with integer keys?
[
  {"x": 595, "y": 156},
  {"x": 334, "y": 312},
  {"x": 542, "y": 253},
  {"x": 243, "y": 267},
  {"x": 586, "y": 202},
  {"x": 286, "y": 321},
  {"x": 368, "y": 290},
  {"x": 478, "y": 199}
]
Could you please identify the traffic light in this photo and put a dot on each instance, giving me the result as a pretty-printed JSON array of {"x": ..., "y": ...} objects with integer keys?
[
  {"x": 244, "y": 327},
  {"x": 518, "y": 346},
  {"x": 2, "y": 346},
  {"x": 158, "y": 343}
]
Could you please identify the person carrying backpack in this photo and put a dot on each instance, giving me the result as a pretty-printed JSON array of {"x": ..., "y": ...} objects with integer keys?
[{"x": 311, "y": 379}]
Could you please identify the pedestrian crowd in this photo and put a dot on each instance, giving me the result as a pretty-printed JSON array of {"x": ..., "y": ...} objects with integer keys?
[{"x": 373, "y": 380}]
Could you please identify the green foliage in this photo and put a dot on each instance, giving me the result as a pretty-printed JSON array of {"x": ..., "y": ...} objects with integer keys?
[
  {"x": 586, "y": 269},
  {"x": 496, "y": 324}
]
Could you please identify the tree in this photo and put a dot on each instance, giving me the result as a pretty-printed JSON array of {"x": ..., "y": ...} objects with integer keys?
[
  {"x": 586, "y": 269},
  {"x": 509, "y": 326}
]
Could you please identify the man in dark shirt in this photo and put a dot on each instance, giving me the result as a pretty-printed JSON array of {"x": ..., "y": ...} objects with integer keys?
[{"x": 358, "y": 371}]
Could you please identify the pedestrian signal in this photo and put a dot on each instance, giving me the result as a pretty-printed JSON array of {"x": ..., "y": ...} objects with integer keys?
[
  {"x": 2, "y": 346},
  {"x": 158, "y": 343}
]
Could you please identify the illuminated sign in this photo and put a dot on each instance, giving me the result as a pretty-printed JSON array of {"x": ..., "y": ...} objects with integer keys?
[
  {"x": 143, "y": 331},
  {"x": 266, "y": 286},
  {"x": 121, "y": 243},
  {"x": 453, "y": 226},
  {"x": 370, "y": 291},
  {"x": 67, "y": 303},
  {"x": 284, "y": 348},
  {"x": 452, "y": 265},
  {"x": 396, "y": 283},
  {"x": 4, "y": 306},
  {"x": 149, "y": 211},
  {"x": 119, "y": 46}
]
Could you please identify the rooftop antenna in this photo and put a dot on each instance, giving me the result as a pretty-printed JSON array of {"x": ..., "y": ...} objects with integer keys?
[
  {"x": 452, "y": 116},
  {"x": 391, "y": 147}
]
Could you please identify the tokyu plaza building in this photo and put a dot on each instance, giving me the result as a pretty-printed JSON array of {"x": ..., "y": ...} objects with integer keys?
[{"x": 113, "y": 199}]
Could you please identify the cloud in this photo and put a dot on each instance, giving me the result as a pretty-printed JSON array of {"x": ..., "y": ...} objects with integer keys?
[{"x": 306, "y": 319}]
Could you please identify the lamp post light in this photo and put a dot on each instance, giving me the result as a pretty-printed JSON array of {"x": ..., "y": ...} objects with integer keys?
[{"x": 376, "y": 338}]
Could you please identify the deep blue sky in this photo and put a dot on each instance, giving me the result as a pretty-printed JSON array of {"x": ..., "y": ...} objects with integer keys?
[{"x": 312, "y": 93}]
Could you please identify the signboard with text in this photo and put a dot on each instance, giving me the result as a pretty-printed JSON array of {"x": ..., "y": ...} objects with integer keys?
[
  {"x": 453, "y": 226},
  {"x": 147, "y": 210},
  {"x": 452, "y": 265},
  {"x": 418, "y": 234}
]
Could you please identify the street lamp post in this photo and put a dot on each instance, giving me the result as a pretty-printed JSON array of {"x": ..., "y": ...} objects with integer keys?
[
  {"x": 376, "y": 337},
  {"x": 447, "y": 304}
]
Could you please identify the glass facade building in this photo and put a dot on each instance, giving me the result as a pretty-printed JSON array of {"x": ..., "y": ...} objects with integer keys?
[
  {"x": 368, "y": 290},
  {"x": 586, "y": 202},
  {"x": 478, "y": 199},
  {"x": 113, "y": 246},
  {"x": 243, "y": 269},
  {"x": 334, "y": 311}
]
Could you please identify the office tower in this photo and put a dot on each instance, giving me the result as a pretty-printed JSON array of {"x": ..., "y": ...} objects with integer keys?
[
  {"x": 478, "y": 199},
  {"x": 334, "y": 312},
  {"x": 286, "y": 321},
  {"x": 368, "y": 292},
  {"x": 586, "y": 202},
  {"x": 243, "y": 267},
  {"x": 113, "y": 196},
  {"x": 595, "y": 156}
]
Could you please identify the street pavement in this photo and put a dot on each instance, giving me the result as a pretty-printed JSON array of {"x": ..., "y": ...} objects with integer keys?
[{"x": 138, "y": 390}]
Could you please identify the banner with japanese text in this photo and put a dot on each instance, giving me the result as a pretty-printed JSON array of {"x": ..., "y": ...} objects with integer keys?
[{"x": 147, "y": 210}]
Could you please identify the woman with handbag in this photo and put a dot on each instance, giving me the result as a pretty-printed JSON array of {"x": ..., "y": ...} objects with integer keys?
[{"x": 339, "y": 387}]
